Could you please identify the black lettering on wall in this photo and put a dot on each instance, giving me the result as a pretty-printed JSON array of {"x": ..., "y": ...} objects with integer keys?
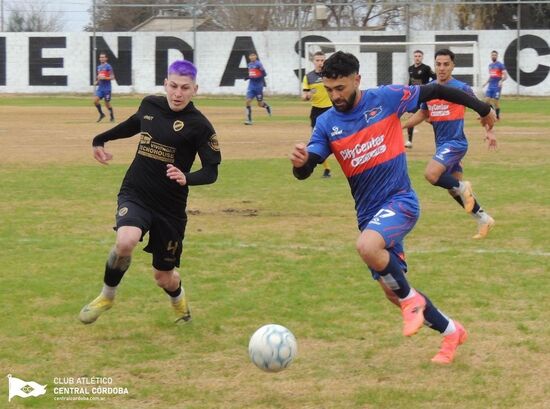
[
  {"x": 37, "y": 62},
  {"x": 462, "y": 60},
  {"x": 2, "y": 61},
  {"x": 384, "y": 54},
  {"x": 162, "y": 45},
  {"x": 241, "y": 48},
  {"x": 527, "y": 79},
  {"x": 122, "y": 64},
  {"x": 311, "y": 39}
]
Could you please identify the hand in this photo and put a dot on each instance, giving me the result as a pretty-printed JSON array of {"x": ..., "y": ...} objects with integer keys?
[
  {"x": 299, "y": 155},
  {"x": 489, "y": 120},
  {"x": 491, "y": 139},
  {"x": 101, "y": 155},
  {"x": 175, "y": 174}
]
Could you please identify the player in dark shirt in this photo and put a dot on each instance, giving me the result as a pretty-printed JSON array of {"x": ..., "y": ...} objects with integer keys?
[
  {"x": 153, "y": 195},
  {"x": 419, "y": 74}
]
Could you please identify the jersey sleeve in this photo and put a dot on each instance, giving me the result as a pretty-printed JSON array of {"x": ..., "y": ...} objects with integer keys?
[
  {"x": 208, "y": 147},
  {"x": 402, "y": 98},
  {"x": 319, "y": 142},
  {"x": 468, "y": 90},
  {"x": 305, "y": 83}
]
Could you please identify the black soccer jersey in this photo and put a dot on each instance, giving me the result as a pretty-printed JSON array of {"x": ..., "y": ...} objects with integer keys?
[
  {"x": 421, "y": 74},
  {"x": 166, "y": 137}
]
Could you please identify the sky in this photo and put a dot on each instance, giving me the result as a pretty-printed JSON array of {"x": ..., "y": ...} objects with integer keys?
[{"x": 73, "y": 13}]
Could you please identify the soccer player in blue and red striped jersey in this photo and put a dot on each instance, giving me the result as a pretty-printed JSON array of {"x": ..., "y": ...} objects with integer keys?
[
  {"x": 256, "y": 83},
  {"x": 363, "y": 132},
  {"x": 103, "y": 91},
  {"x": 445, "y": 168},
  {"x": 497, "y": 75}
]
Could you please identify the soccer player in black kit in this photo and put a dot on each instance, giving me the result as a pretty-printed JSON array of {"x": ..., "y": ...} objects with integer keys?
[
  {"x": 153, "y": 195},
  {"x": 419, "y": 74}
]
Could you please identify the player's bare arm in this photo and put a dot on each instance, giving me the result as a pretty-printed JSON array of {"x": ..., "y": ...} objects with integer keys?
[
  {"x": 491, "y": 139},
  {"x": 420, "y": 116}
]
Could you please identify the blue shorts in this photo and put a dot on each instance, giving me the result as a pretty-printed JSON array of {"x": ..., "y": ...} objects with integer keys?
[
  {"x": 493, "y": 93},
  {"x": 450, "y": 155},
  {"x": 257, "y": 93},
  {"x": 395, "y": 219},
  {"x": 103, "y": 93}
]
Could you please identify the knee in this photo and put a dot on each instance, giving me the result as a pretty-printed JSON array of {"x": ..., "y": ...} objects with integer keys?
[
  {"x": 366, "y": 251},
  {"x": 125, "y": 245},
  {"x": 431, "y": 177}
]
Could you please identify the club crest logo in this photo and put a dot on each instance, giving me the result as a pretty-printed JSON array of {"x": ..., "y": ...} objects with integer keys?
[
  {"x": 372, "y": 113},
  {"x": 24, "y": 389},
  {"x": 123, "y": 211},
  {"x": 213, "y": 143},
  {"x": 178, "y": 125}
]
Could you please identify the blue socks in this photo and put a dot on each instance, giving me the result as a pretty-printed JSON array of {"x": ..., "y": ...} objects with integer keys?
[{"x": 394, "y": 277}]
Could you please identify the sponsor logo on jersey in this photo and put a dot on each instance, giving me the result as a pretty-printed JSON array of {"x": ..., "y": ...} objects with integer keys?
[
  {"x": 336, "y": 131},
  {"x": 154, "y": 150},
  {"x": 148, "y": 117},
  {"x": 363, "y": 152},
  {"x": 372, "y": 113},
  {"x": 178, "y": 125},
  {"x": 437, "y": 110},
  {"x": 145, "y": 138}
]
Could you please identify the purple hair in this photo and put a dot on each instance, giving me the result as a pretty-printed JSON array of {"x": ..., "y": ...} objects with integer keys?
[{"x": 183, "y": 68}]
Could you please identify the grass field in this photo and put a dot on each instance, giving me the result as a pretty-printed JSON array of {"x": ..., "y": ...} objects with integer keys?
[{"x": 263, "y": 247}]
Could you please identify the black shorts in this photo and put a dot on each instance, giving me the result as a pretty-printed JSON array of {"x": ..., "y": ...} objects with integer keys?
[
  {"x": 166, "y": 233},
  {"x": 315, "y": 112}
]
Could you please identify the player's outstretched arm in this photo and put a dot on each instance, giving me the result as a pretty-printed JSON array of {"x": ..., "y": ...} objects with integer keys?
[
  {"x": 437, "y": 91},
  {"x": 420, "y": 116},
  {"x": 491, "y": 139}
]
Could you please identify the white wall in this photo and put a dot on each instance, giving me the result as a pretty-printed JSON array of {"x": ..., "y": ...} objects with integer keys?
[{"x": 213, "y": 50}]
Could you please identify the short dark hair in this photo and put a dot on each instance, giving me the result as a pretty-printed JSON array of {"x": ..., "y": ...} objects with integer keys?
[
  {"x": 445, "y": 51},
  {"x": 494, "y": 51},
  {"x": 318, "y": 53},
  {"x": 103, "y": 53},
  {"x": 418, "y": 51},
  {"x": 340, "y": 64}
]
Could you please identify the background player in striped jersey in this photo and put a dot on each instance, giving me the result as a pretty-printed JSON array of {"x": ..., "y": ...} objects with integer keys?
[
  {"x": 363, "y": 132},
  {"x": 497, "y": 75},
  {"x": 419, "y": 73},
  {"x": 314, "y": 91},
  {"x": 256, "y": 84},
  {"x": 103, "y": 91},
  {"x": 445, "y": 168}
]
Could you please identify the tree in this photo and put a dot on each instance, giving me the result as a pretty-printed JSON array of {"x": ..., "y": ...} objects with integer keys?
[
  {"x": 244, "y": 15},
  {"x": 33, "y": 17},
  {"x": 110, "y": 16}
]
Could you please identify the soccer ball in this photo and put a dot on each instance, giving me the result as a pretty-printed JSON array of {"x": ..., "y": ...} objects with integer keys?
[{"x": 272, "y": 348}]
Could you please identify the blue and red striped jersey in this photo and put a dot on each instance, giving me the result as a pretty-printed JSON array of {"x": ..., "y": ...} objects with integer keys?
[{"x": 368, "y": 143}]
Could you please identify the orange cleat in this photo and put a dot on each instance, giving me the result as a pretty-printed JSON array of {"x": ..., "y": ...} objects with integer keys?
[
  {"x": 450, "y": 344},
  {"x": 483, "y": 229},
  {"x": 413, "y": 314}
]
